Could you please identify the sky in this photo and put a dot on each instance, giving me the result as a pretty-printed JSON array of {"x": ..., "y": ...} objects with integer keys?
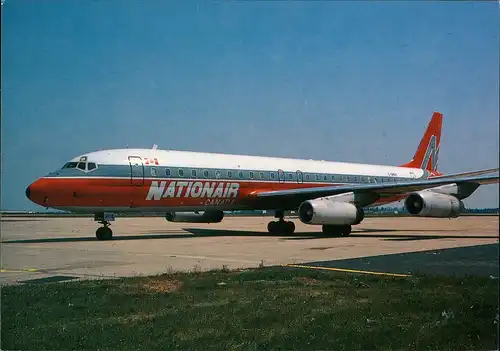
[{"x": 340, "y": 81}]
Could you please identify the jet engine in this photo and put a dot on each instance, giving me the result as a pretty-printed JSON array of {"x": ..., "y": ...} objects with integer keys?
[
  {"x": 326, "y": 211},
  {"x": 431, "y": 204},
  {"x": 195, "y": 217}
]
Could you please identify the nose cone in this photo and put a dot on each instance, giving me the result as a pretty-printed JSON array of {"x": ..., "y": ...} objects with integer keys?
[{"x": 36, "y": 192}]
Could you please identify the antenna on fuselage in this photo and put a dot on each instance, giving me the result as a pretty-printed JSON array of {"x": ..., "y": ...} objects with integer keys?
[{"x": 153, "y": 151}]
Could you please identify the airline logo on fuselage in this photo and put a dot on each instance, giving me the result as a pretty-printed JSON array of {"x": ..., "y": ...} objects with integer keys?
[
  {"x": 160, "y": 190},
  {"x": 151, "y": 161}
]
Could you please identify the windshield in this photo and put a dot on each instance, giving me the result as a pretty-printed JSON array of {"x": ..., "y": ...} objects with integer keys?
[{"x": 70, "y": 165}]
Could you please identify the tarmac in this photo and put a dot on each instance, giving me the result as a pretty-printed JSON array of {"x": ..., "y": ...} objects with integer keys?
[{"x": 44, "y": 249}]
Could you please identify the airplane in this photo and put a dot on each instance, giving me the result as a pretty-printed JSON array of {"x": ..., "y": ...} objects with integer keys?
[{"x": 198, "y": 187}]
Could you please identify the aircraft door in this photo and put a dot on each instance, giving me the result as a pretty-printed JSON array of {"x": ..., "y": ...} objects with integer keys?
[
  {"x": 281, "y": 176},
  {"x": 300, "y": 177},
  {"x": 136, "y": 170}
]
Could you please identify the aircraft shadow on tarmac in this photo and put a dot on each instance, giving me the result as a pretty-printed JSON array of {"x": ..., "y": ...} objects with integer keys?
[{"x": 399, "y": 235}]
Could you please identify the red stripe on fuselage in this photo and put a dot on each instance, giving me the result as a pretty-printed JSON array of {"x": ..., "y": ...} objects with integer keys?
[{"x": 115, "y": 192}]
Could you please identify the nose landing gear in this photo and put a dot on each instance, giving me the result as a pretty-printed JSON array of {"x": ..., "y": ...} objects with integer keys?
[{"x": 104, "y": 232}]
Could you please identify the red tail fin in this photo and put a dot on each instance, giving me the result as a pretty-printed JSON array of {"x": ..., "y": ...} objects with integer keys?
[{"x": 426, "y": 156}]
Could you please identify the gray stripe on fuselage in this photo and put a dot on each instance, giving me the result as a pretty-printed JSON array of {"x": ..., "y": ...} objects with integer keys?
[{"x": 159, "y": 172}]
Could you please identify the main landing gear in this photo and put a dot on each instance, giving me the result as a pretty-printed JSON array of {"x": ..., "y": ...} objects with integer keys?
[
  {"x": 337, "y": 230},
  {"x": 104, "y": 232},
  {"x": 281, "y": 226}
]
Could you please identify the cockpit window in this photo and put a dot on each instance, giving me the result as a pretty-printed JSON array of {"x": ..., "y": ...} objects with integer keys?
[
  {"x": 83, "y": 166},
  {"x": 70, "y": 165}
]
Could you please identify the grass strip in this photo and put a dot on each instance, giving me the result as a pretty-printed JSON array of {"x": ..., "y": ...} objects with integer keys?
[{"x": 267, "y": 308}]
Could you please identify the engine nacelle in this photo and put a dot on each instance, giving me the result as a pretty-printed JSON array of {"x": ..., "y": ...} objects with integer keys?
[
  {"x": 326, "y": 211},
  {"x": 431, "y": 204},
  {"x": 195, "y": 217}
]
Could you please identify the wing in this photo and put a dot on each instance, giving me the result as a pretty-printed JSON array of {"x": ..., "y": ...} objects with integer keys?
[
  {"x": 294, "y": 197},
  {"x": 466, "y": 174}
]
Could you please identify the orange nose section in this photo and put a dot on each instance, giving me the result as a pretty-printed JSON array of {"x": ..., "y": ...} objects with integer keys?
[
  {"x": 38, "y": 193},
  {"x": 54, "y": 192}
]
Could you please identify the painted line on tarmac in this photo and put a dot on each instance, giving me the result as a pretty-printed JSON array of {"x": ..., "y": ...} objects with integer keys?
[
  {"x": 6, "y": 270},
  {"x": 348, "y": 270}
]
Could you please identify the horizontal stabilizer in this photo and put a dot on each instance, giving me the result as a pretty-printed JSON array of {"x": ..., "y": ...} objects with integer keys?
[{"x": 466, "y": 174}]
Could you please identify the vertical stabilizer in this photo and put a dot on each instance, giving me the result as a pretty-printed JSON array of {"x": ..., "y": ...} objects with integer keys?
[{"x": 426, "y": 156}]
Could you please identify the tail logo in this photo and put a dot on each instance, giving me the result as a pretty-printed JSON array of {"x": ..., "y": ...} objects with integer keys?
[
  {"x": 431, "y": 155},
  {"x": 426, "y": 156}
]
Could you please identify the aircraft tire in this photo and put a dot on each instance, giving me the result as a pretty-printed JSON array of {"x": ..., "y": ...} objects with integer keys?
[
  {"x": 272, "y": 227},
  {"x": 332, "y": 230},
  {"x": 281, "y": 227},
  {"x": 346, "y": 230},
  {"x": 290, "y": 227},
  {"x": 104, "y": 233}
]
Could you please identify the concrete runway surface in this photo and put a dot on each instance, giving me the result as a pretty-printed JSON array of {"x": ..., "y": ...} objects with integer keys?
[{"x": 40, "y": 249}]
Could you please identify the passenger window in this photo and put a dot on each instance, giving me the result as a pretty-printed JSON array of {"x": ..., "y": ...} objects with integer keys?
[
  {"x": 217, "y": 174},
  {"x": 240, "y": 174},
  {"x": 153, "y": 171},
  {"x": 167, "y": 172},
  {"x": 81, "y": 165},
  {"x": 290, "y": 176},
  {"x": 229, "y": 174},
  {"x": 307, "y": 176},
  {"x": 181, "y": 173},
  {"x": 261, "y": 175},
  {"x": 317, "y": 177},
  {"x": 325, "y": 177},
  {"x": 355, "y": 179},
  {"x": 251, "y": 175},
  {"x": 193, "y": 173},
  {"x": 333, "y": 178},
  {"x": 272, "y": 175},
  {"x": 205, "y": 173}
]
